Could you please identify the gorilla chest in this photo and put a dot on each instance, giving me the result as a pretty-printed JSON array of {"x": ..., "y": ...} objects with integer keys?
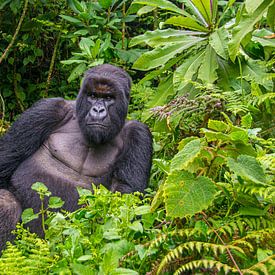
[{"x": 71, "y": 150}]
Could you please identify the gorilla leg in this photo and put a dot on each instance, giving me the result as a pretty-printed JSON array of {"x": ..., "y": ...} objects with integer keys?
[{"x": 10, "y": 212}]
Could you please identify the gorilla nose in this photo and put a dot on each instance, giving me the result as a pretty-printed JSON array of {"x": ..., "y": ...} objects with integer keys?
[{"x": 98, "y": 112}]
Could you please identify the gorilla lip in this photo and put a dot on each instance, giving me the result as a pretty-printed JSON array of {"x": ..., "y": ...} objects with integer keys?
[{"x": 97, "y": 125}]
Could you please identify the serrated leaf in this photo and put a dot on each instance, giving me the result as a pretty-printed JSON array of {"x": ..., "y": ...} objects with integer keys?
[
  {"x": 217, "y": 125},
  {"x": 186, "y": 22},
  {"x": 247, "y": 167},
  {"x": 215, "y": 136},
  {"x": 185, "y": 156},
  {"x": 55, "y": 202},
  {"x": 241, "y": 136},
  {"x": 245, "y": 26},
  {"x": 218, "y": 41},
  {"x": 159, "y": 56},
  {"x": 207, "y": 71},
  {"x": 186, "y": 195}
]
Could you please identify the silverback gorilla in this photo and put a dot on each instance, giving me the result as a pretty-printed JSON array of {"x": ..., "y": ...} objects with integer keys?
[{"x": 66, "y": 144}]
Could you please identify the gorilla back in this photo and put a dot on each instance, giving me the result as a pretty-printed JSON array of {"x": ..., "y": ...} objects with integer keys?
[{"x": 66, "y": 144}]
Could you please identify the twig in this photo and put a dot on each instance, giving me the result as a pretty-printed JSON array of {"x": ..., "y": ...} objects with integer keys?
[
  {"x": 16, "y": 31},
  {"x": 52, "y": 64},
  {"x": 227, "y": 249}
]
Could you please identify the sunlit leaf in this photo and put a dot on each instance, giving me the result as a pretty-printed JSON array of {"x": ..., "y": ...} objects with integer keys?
[
  {"x": 186, "y": 195},
  {"x": 186, "y": 22},
  {"x": 185, "y": 156}
]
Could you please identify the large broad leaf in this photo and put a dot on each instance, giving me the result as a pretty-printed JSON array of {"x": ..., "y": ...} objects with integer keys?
[
  {"x": 245, "y": 26},
  {"x": 150, "y": 37},
  {"x": 186, "y": 22},
  {"x": 204, "y": 8},
  {"x": 207, "y": 71},
  {"x": 185, "y": 72},
  {"x": 162, "y": 4},
  {"x": 186, "y": 155},
  {"x": 160, "y": 56},
  {"x": 218, "y": 41},
  {"x": 255, "y": 71},
  {"x": 77, "y": 71},
  {"x": 185, "y": 195},
  {"x": 248, "y": 168}
]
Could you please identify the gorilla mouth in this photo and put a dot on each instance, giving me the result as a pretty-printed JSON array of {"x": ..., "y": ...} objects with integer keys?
[{"x": 96, "y": 124}]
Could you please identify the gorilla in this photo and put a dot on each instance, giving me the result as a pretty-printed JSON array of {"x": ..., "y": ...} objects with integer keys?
[{"x": 66, "y": 144}]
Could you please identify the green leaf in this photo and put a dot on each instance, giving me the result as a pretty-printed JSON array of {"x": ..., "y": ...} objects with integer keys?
[
  {"x": 28, "y": 215},
  {"x": 184, "y": 73},
  {"x": 203, "y": 7},
  {"x": 218, "y": 125},
  {"x": 55, "y": 202},
  {"x": 256, "y": 71},
  {"x": 136, "y": 226},
  {"x": 145, "y": 9},
  {"x": 245, "y": 26},
  {"x": 71, "y": 19},
  {"x": 241, "y": 136},
  {"x": 207, "y": 71},
  {"x": 248, "y": 168},
  {"x": 246, "y": 121},
  {"x": 159, "y": 56},
  {"x": 85, "y": 45},
  {"x": 185, "y": 156},
  {"x": 105, "y": 4},
  {"x": 41, "y": 189},
  {"x": 85, "y": 258},
  {"x": 218, "y": 41},
  {"x": 215, "y": 136},
  {"x": 141, "y": 210},
  {"x": 185, "y": 22},
  {"x": 77, "y": 71},
  {"x": 252, "y": 211},
  {"x": 123, "y": 271},
  {"x": 162, "y": 4},
  {"x": 152, "y": 38},
  {"x": 186, "y": 195}
]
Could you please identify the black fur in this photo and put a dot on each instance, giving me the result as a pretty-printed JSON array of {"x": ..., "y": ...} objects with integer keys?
[{"x": 66, "y": 144}]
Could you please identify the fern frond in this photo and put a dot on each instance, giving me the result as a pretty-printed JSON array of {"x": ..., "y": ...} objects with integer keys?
[
  {"x": 198, "y": 246},
  {"x": 12, "y": 261},
  {"x": 209, "y": 264},
  {"x": 266, "y": 266}
]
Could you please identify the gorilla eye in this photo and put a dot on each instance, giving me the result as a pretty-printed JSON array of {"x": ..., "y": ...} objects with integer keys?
[
  {"x": 92, "y": 95},
  {"x": 109, "y": 97}
]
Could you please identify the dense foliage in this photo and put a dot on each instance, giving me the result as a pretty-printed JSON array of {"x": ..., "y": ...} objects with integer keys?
[{"x": 203, "y": 81}]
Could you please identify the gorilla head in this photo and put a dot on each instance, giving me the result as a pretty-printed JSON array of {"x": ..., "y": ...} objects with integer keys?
[{"x": 102, "y": 103}]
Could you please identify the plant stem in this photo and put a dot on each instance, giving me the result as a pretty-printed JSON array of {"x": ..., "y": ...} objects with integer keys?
[
  {"x": 52, "y": 65},
  {"x": 16, "y": 31},
  {"x": 227, "y": 249},
  {"x": 123, "y": 26}
]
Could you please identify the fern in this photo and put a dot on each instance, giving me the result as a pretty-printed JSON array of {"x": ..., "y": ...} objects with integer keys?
[
  {"x": 266, "y": 267},
  {"x": 208, "y": 264},
  {"x": 214, "y": 249}
]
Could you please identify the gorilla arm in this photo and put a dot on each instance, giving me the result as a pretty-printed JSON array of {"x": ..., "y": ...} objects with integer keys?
[
  {"x": 133, "y": 168},
  {"x": 28, "y": 133}
]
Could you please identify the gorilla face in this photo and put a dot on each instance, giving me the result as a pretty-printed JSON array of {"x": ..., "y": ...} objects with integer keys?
[{"x": 102, "y": 103}]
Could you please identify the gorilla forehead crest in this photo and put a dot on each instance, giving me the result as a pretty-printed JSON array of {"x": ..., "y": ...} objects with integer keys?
[{"x": 106, "y": 75}]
